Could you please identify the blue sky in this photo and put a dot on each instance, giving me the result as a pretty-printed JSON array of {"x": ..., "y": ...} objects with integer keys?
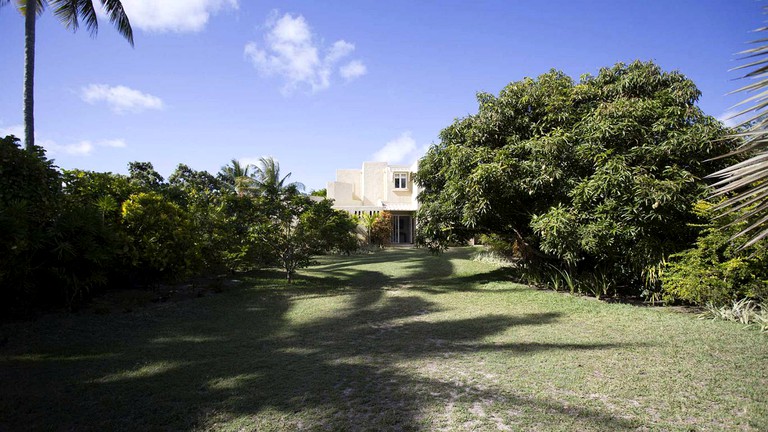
[{"x": 327, "y": 85}]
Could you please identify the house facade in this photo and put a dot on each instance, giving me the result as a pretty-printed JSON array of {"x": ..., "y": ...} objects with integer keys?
[{"x": 379, "y": 187}]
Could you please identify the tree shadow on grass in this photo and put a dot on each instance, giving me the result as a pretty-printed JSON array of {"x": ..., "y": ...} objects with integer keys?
[
  {"x": 419, "y": 263},
  {"x": 249, "y": 360},
  {"x": 469, "y": 283}
]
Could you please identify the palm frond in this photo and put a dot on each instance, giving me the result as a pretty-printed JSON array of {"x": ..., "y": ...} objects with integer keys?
[
  {"x": 746, "y": 182},
  {"x": 71, "y": 12},
  {"x": 66, "y": 12},
  {"x": 88, "y": 14},
  {"x": 119, "y": 18}
]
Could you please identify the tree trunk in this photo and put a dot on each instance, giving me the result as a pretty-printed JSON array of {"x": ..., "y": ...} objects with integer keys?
[{"x": 29, "y": 74}]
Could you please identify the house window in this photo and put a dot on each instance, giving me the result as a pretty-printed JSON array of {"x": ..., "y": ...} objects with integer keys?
[{"x": 401, "y": 180}]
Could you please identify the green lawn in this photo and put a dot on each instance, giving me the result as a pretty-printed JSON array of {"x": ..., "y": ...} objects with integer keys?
[{"x": 397, "y": 340}]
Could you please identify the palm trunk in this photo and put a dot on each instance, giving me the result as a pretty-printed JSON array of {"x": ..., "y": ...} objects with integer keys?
[{"x": 29, "y": 74}]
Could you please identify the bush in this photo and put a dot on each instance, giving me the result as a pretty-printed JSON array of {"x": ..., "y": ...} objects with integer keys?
[
  {"x": 335, "y": 230},
  {"x": 714, "y": 270},
  {"x": 59, "y": 245},
  {"x": 381, "y": 230},
  {"x": 160, "y": 236},
  {"x": 30, "y": 196},
  {"x": 298, "y": 228},
  {"x": 82, "y": 253},
  {"x": 500, "y": 246}
]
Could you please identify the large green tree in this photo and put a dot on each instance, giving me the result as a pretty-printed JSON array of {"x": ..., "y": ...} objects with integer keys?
[
  {"x": 70, "y": 13},
  {"x": 596, "y": 175}
]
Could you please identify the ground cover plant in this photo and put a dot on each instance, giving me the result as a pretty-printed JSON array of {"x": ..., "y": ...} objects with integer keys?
[{"x": 394, "y": 340}]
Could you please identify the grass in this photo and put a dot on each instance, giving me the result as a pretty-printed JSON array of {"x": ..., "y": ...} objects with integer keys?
[{"x": 396, "y": 340}]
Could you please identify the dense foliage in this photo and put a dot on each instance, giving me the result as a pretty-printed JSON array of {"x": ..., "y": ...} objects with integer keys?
[
  {"x": 64, "y": 235},
  {"x": 598, "y": 176},
  {"x": 30, "y": 196},
  {"x": 298, "y": 228},
  {"x": 378, "y": 227},
  {"x": 715, "y": 271}
]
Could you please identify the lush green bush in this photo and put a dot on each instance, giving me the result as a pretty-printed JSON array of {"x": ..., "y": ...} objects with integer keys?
[
  {"x": 298, "y": 228},
  {"x": 506, "y": 248},
  {"x": 599, "y": 175},
  {"x": 30, "y": 196},
  {"x": 714, "y": 270},
  {"x": 105, "y": 191},
  {"x": 236, "y": 216},
  {"x": 64, "y": 236},
  {"x": 83, "y": 255},
  {"x": 380, "y": 233},
  {"x": 334, "y": 229},
  {"x": 160, "y": 237}
]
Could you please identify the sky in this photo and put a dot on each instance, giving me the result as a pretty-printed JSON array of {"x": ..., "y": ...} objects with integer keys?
[{"x": 321, "y": 86}]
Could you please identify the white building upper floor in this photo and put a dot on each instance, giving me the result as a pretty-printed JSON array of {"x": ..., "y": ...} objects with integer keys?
[{"x": 378, "y": 186}]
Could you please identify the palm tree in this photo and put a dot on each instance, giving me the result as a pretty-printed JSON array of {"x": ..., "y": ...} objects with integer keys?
[
  {"x": 69, "y": 12},
  {"x": 238, "y": 177},
  {"x": 747, "y": 180},
  {"x": 269, "y": 180}
]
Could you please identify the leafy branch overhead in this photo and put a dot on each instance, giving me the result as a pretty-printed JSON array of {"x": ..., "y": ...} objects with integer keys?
[{"x": 745, "y": 183}]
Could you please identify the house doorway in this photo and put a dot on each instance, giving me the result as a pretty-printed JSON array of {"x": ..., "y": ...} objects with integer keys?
[{"x": 402, "y": 229}]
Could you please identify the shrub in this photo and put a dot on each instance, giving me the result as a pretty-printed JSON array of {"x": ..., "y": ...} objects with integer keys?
[
  {"x": 298, "y": 228},
  {"x": 160, "y": 236},
  {"x": 82, "y": 253},
  {"x": 381, "y": 230},
  {"x": 500, "y": 246},
  {"x": 30, "y": 196},
  {"x": 335, "y": 230},
  {"x": 714, "y": 270}
]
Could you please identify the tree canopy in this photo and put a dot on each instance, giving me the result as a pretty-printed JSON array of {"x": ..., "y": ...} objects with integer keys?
[
  {"x": 67, "y": 235},
  {"x": 602, "y": 173}
]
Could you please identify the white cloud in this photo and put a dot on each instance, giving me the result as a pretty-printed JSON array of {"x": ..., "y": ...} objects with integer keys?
[
  {"x": 177, "y": 16},
  {"x": 256, "y": 161},
  {"x": 398, "y": 150},
  {"x": 352, "y": 70},
  {"x": 114, "y": 143},
  {"x": 81, "y": 148},
  {"x": 339, "y": 50},
  {"x": 291, "y": 51},
  {"x": 120, "y": 99},
  {"x": 15, "y": 130}
]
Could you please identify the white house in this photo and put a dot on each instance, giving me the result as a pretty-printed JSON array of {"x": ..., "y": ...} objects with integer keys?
[{"x": 379, "y": 187}]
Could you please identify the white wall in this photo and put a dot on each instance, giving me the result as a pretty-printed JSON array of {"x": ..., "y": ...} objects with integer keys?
[{"x": 371, "y": 186}]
